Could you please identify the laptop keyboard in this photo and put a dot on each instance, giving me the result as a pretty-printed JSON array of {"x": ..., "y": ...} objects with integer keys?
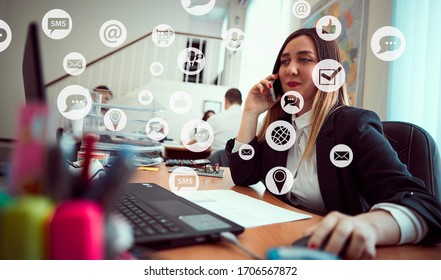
[{"x": 146, "y": 222}]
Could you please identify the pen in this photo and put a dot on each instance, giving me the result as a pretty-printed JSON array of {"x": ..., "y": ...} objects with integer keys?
[
  {"x": 90, "y": 141},
  {"x": 107, "y": 190},
  {"x": 299, "y": 253}
]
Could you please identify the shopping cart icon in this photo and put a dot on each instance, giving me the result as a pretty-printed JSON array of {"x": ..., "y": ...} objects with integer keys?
[{"x": 164, "y": 36}]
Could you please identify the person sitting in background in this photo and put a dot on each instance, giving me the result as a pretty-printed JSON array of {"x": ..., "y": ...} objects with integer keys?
[
  {"x": 74, "y": 128},
  {"x": 207, "y": 115},
  {"x": 226, "y": 124}
]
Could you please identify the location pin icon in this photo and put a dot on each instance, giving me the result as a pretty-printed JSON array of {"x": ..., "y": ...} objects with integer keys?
[
  {"x": 279, "y": 177},
  {"x": 115, "y": 117}
]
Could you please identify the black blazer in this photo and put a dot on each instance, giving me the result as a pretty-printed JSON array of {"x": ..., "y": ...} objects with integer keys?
[{"x": 375, "y": 174}]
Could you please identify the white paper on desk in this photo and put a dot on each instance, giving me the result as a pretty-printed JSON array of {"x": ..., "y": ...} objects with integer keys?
[{"x": 242, "y": 209}]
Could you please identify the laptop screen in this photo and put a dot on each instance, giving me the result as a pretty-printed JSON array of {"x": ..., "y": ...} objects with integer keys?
[{"x": 32, "y": 67}]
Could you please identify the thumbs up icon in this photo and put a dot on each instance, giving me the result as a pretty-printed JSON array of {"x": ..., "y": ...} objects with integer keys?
[{"x": 328, "y": 28}]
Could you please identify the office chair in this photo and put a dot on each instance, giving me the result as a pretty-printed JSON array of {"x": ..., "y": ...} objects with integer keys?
[{"x": 417, "y": 149}]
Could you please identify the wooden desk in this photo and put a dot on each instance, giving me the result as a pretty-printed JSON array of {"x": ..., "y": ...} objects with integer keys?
[{"x": 260, "y": 239}]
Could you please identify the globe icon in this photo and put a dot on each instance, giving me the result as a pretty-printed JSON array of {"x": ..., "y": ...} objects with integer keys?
[{"x": 280, "y": 135}]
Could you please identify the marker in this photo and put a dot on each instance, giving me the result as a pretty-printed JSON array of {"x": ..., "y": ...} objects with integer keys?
[
  {"x": 299, "y": 253},
  {"x": 146, "y": 168}
]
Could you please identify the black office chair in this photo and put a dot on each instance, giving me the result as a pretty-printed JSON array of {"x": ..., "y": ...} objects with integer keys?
[{"x": 417, "y": 149}]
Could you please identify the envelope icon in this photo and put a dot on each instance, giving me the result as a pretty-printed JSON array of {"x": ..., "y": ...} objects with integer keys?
[
  {"x": 74, "y": 64},
  {"x": 341, "y": 155},
  {"x": 247, "y": 152}
]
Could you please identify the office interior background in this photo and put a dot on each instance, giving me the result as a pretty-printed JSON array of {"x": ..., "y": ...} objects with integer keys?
[{"x": 407, "y": 89}]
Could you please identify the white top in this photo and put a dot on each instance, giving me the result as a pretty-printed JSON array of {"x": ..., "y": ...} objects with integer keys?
[
  {"x": 306, "y": 190},
  {"x": 225, "y": 126}
]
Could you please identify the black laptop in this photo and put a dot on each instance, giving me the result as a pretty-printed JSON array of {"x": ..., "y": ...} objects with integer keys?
[{"x": 162, "y": 219}]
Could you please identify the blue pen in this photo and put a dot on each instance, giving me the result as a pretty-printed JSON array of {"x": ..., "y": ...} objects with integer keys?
[{"x": 299, "y": 253}]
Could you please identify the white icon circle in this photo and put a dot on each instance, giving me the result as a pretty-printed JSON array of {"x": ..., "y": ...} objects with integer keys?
[
  {"x": 292, "y": 102},
  {"x": 279, "y": 180},
  {"x": 163, "y": 35},
  {"x": 328, "y": 75},
  {"x": 74, "y": 63},
  {"x": 246, "y": 152},
  {"x": 145, "y": 97},
  {"x": 191, "y": 61},
  {"x": 156, "y": 68},
  {"x": 113, "y": 33},
  {"x": 180, "y": 102},
  {"x": 341, "y": 155},
  {"x": 74, "y": 102},
  {"x": 56, "y": 24},
  {"x": 5, "y": 35},
  {"x": 157, "y": 129},
  {"x": 115, "y": 119},
  {"x": 328, "y": 28},
  {"x": 198, "y": 7},
  {"x": 301, "y": 9},
  {"x": 183, "y": 181},
  {"x": 234, "y": 39},
  {"x": 280, "y": 135},
  {"x": 197, "y": 135},
  {"x": 388, "y": 43}
]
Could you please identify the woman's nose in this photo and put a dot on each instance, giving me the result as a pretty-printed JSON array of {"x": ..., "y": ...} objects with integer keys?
[{"x": 293, "y": 70}]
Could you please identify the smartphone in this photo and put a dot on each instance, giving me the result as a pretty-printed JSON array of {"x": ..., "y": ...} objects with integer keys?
[{"x": 272, "y": 92}]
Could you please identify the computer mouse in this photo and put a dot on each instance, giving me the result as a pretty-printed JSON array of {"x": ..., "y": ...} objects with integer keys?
[{"x": 303, "y": 242}]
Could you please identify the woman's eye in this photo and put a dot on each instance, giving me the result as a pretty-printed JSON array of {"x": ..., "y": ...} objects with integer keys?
[
  {"x": 305, "y": 59},
  {"x": 284, "y": 62}
]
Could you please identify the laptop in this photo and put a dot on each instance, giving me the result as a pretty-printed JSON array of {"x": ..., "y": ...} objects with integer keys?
[{"x": 161, "y": 219}]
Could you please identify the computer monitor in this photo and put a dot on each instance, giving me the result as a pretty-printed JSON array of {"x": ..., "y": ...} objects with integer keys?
[{"x": 32, "y": 67}]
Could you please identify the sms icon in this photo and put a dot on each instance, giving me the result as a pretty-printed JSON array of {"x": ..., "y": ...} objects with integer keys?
[
  {"x": 74, "y": 102},
  {"x": 183, "y": 181},
  {"x": 388, "y": 43},
  {"x": 56, "y": 24}
]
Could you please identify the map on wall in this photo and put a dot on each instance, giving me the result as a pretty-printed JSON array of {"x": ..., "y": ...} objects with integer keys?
[{"x": 352, "y": 43}]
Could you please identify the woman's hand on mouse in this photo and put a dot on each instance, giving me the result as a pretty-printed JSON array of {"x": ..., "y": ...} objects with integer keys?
[{"x": 357, "y": 230}]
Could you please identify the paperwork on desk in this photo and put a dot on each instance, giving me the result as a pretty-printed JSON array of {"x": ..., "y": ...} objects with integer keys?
[{"x": 242, "y": 209}]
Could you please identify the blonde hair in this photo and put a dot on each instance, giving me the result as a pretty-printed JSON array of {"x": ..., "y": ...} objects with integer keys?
[{"x": 324, "y": 103}]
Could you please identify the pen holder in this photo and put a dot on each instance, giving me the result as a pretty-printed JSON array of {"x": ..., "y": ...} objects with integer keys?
[
  {"x": 24, "y": 228},
  {"x": 76, "y": 231}
]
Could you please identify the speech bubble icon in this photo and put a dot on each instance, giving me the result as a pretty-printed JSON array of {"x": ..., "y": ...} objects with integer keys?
[
  {"x": 185, "y": 181},
  {"x": 291, "y": 100},
  {"x": 155, "y": 126},
  {"x": 389, "y": 43},
  {"x": 199, "y": 134},
  {"x": 58, "y": 24},
  {"x": 194, "y": 3},
  {"x": 3, "y": 35},
  {"x": 75, "y": 102}
]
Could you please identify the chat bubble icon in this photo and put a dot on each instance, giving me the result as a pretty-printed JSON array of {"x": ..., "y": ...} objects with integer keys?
[
  {"x": 291, "y": 100},
  {"x": 58, "y": 24},
  {"x": 155, "y": 126},
  {"x": 75, "y": 102},
  {"x": 194, "y": 3},
  {"x": 201, "y": 135},
  {"x": 389, "y": 43}
]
